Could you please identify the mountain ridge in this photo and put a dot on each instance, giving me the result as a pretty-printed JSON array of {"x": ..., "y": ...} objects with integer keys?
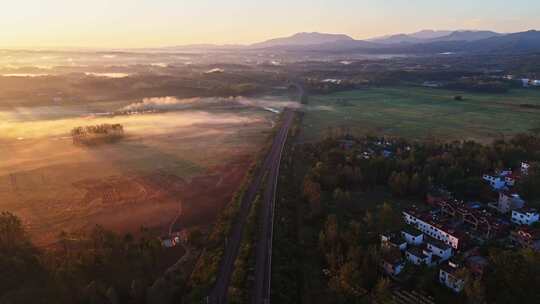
[{"x": 462, "y": 41}]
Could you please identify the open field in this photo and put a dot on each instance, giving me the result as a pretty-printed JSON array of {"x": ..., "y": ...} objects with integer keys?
[
  {"x": 421, "y": 113},
  {"x": 187, "y": 161}
]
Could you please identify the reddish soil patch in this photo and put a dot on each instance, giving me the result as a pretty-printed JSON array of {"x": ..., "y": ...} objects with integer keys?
[{"x": 126, "y": 203}]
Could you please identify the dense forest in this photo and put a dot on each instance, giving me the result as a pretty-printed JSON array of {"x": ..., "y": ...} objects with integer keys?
[{"x": 95, "y": 267}]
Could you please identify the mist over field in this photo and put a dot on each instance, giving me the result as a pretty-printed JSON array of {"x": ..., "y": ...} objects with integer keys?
[{"x": 268, "y": 171}]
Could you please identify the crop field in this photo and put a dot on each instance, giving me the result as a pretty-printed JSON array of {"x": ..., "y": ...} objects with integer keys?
[
  {"x": 421, "y": 113},
  {"x": 182, "y": 164}
]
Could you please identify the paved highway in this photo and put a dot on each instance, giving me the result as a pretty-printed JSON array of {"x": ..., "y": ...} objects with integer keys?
[
  {"x": 270, "y": 165},
  {"x": 263, "y": 261}
]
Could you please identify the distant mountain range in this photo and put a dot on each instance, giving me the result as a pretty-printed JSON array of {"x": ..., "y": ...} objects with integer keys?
[
  {"x": 303, "y": 39},
  {"x": 423, "y": 42},
  {"x": 428, "y": 36}
]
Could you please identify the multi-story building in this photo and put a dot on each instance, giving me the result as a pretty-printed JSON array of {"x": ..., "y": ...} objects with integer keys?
[
  {"x": 449, "y": 276},
  {"x": 525, "y": 168},
  {"x": 439, "y": 249},
  {"x": 412, "y": 236},
  {"x": 393, "y": 240},
  {"x": 525, "y": 216},
  {"x": 496, "y": 182},
  {"x": 509, "y": 201},
  {"x": 435, "y": 230},
  {"x": 419, "y": 256},
  {"x": 392, "y": 262}
]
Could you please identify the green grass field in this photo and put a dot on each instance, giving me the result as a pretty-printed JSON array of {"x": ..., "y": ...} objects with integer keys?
[{"x": 419, "y": 113}]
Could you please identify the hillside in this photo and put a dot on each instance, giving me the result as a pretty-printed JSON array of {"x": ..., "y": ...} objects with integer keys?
[{"x": 303, "y": 39}]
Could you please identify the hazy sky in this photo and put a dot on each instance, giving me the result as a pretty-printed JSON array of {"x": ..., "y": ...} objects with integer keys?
[{"x": 138, "y": 23}]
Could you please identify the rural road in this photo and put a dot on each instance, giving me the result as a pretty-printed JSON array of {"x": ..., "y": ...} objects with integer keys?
[
  {"x": 270, "y": 165},
  {"x": 263, "y": 258}
]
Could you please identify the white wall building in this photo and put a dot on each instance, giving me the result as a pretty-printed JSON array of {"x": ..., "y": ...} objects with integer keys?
[
  {"x": 440, "y": 249},
  {"x": 393, "y": 240},
  {"x": 413, "y": 236},
  {"x": 432, "y": 230},
  {"x": 393, "y": 264},
  {"x": 495, "y": 182},
  {"x": 525, "y": 168},
  {"x": 525, "y": 216},
  {"x": 509, "y": 201},
  {"x": 447, "y": 276},
  {"x": 418, "y": 256}
]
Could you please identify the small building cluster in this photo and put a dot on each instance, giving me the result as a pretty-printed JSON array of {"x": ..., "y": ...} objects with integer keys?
[
  {"x": 530, "y": 82},
  {"x": 174, "y": 239},
  {"x": 449, "y": 230}
]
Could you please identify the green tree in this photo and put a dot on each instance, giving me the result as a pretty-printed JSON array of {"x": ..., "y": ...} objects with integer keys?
[
  {"x": 388, "y": 218},
  {"x": 341, "y": 197},
  {"x": 312, "y": 192}
]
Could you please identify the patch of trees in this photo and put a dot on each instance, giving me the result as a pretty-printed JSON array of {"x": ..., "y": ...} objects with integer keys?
[
  {"x": 329, "y": 87},
  {"x": 351, "y": 255},
  {"x": 98, "y": 134},
  {"x": 529, "y": 185},
  {"x": 483, "y": 85},
  {"x": 512, "y": 278},
  {"x": 416, "y": 167},
  {"x": 530, "y": 106},
  {"x": 95, "y": 267}
]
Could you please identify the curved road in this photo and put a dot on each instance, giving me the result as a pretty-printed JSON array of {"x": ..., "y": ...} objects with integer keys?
[{"x": 271, "y": 164}]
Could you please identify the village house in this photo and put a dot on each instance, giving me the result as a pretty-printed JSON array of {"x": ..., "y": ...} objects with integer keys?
[
  {"x": 525, "y": 216},
  {"x": 418, "y": 256},
  {"x": 424, "y": 223},
  {"x": 419, "y": 249},
  {"x": 169, "y": 241},
  {"x": 439, "y": 249},
  {"x": 477, "y": 218},
  {"x": 496, "y": 182},
  {"x": 525, "y": 168},
  {"x": 526, "y": 237},
  {"x": 509, "y": 201},
  {"x": 449, "y": 277},
  {"x": 412, "y": 236},
  {"x": 477, "y": 265},
  {"x": 393, "y": 240},
  {"x": 526, "y": 82},
  {"x": 392, "y": 262}
]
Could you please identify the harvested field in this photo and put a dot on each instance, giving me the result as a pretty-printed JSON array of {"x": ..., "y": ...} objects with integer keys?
[{"x": 188, "y": 161}]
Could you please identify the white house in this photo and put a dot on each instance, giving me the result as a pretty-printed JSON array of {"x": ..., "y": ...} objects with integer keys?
[
  {"x": 525, "y": 168},
  {"x": 510, "y": 180},
  {"x": 412, "y": 236},
  {"x": 509, "y": 201},
  {"x": 392, "y": 263},
  {"x": 168, "y": 242},
  {"x": 432, "y": 230},
  {"x": 393, "y": 240},
  {"x": 525, "y": 216},
  {"x": 496, "y": 182},
  {"x": 448, "y": 277},
  {"x": 439, "y": 249},
  {"x": 418, "y": 256}
]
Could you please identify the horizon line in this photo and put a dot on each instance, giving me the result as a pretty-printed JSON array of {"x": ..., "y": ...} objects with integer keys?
[{"x": 173, "y": 45}]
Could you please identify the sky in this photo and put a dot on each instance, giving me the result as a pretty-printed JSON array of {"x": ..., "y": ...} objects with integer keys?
[{"x": 153, "y": 23}]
